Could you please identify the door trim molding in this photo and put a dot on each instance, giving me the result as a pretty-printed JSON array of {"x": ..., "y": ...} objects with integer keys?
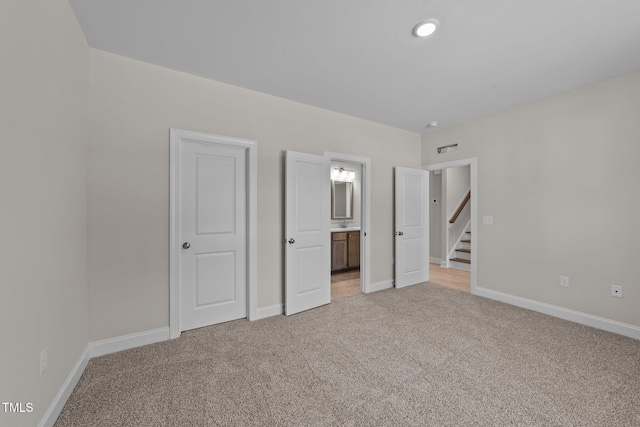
[
  {"x": 176, "y": 136},
  {"x": 473, "y": 165},
  {"x": 365, "y": 219}
]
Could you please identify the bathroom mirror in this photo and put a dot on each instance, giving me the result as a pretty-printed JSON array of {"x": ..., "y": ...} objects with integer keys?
[{"x": 341, "y": 200}]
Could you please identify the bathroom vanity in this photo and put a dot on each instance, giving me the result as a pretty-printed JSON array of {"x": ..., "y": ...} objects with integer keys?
[{"x": 345, "y": 249}]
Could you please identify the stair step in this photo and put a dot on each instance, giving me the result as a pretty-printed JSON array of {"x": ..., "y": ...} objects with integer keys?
[
  {"x": 462, "y": 260},
  {"x": 464, "y": 250},
  {"x": 465, "y": 241}
]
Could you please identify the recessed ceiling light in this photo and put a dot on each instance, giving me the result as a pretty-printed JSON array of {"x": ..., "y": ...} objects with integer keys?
[
  {"x": 432, "y": 124},
  {"x": 425, "y": 28}
]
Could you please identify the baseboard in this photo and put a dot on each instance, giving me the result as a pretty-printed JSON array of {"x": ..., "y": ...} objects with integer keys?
[
  {"x": 460, "y": 266},
  {"x": 125, "y": 342},
  {"x": 54, "y": 410},
  {"x": 379, "y": 286},
  {"x": 269, "y": 311},
  {"x": 563, "y": 313},
  {"x": 435, "y": 260}
]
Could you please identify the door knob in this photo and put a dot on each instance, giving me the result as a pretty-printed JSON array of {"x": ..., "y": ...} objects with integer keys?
[
  {"x": 400, "y": 233},
  {"x": 291, "y": 241},
  {"x": 186, "y": 245}
]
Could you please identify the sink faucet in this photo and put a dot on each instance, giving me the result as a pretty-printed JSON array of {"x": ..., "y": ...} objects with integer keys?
[{"x": 344, "y": 224}]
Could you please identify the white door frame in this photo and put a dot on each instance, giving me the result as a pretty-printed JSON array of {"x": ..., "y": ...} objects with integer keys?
[
  {"x": 176, "y": 136},
  {"x": 365, "y": 214},
  {"x": 473, "y": 164}
]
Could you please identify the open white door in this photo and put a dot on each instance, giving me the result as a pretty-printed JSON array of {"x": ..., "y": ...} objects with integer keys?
[
  {"x": 412, "y": 226},
  {"x": 307, "y": 232}
]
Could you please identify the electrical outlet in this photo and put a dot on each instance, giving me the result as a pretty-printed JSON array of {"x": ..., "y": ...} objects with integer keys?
[
  {"x": 564, "y": 281},
  {"x": 43, "y": 361},
  {"x": 616, "y": 291}
]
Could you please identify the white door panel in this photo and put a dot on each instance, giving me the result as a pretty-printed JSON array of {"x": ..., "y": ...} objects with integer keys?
[
  {"x": 213, "y": 207},
  {"x": 215, "y": 204},
  {"x": 411, "y": 226},
  {"x": 307, "y": 232}
]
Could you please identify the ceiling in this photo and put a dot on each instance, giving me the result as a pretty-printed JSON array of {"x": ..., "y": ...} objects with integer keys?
[{"x": 359, "y": 57}]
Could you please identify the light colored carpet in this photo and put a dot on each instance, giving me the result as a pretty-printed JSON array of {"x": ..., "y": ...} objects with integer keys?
[{"x": 418, "y": 356}]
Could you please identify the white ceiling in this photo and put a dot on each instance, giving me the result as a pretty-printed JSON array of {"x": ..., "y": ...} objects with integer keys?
[{"x": 359, "y": 57}]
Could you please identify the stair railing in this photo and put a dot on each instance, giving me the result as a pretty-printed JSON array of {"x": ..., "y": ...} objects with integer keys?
[{"x": 458, "y": 224}]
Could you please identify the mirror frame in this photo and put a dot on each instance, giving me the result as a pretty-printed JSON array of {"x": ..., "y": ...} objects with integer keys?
[{"x": 348, "y": 202}]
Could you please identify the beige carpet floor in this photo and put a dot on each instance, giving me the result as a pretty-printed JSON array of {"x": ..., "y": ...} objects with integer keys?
[{"x": 418, "y": 356}]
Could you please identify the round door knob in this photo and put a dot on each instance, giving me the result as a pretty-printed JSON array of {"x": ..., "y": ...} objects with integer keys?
[
  {"x": 291, "y": 241},
  {"x": 400, "y": 233},
  {"x": 186, "y": 245}
]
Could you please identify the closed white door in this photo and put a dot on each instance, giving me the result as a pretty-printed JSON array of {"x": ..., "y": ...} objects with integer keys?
[
  {"x": 412, "y": 226},
  {"x": 213, "y": 233},
  {"x": 307, "y": 232}
]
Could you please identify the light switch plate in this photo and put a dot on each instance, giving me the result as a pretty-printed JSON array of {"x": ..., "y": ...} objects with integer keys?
[{"x": 487, "y": 220}]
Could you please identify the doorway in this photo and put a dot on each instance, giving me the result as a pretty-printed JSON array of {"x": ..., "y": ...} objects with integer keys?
[
  {"x": 350, "y": 219},
  {"x": 448, "y": 267},
  {"x": 450, "y": 277},
  {"x": 346, "y": 209},
  {"x": 212, "y": 277}
]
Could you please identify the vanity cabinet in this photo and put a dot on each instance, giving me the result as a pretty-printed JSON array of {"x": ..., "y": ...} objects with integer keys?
[
  {"x": 345, "y": 250},
  {"x": 353, "y": 249}
]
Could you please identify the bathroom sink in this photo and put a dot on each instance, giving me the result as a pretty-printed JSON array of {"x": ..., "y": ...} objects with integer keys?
[{"x": 338, "y": 229}]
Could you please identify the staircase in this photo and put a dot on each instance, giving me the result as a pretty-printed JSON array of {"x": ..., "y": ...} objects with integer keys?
[
  {"x": 462, "y": 258},
  {"x": 459, "y": 236}
]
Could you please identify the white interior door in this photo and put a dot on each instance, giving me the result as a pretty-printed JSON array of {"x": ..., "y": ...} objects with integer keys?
[
  {"x": 412, "y": 226},
  {"x": 213, "y": 233},
  {"x": 307, "y": 232}
]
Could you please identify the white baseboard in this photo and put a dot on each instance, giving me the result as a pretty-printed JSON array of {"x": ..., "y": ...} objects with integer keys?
[
  {"x": 125, "y": 342},
  {"x": 378, "y": 286},
  {"x": 269, "y": 311},
  {"x": 435, "y": 260},
  {"x": 563, "y": 313},
  {"x": 95, "y": 349},
  {"x": 460, "y": 266},
  {"x": 54, "y": 410}
]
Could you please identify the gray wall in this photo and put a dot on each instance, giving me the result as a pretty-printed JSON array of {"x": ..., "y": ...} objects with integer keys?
[
  {"x": 43, "y": 201},
  {"x": 559, "y": 176},
  {"x": 458, "y": 184},
  {"x": 435, "y": 216},
  {"x": 133, "y": 105}
]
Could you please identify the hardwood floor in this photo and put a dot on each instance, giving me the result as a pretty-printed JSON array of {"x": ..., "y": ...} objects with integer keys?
[
  {"x": 450, "y": 277},
  {"x": 345, "y": 284}
]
